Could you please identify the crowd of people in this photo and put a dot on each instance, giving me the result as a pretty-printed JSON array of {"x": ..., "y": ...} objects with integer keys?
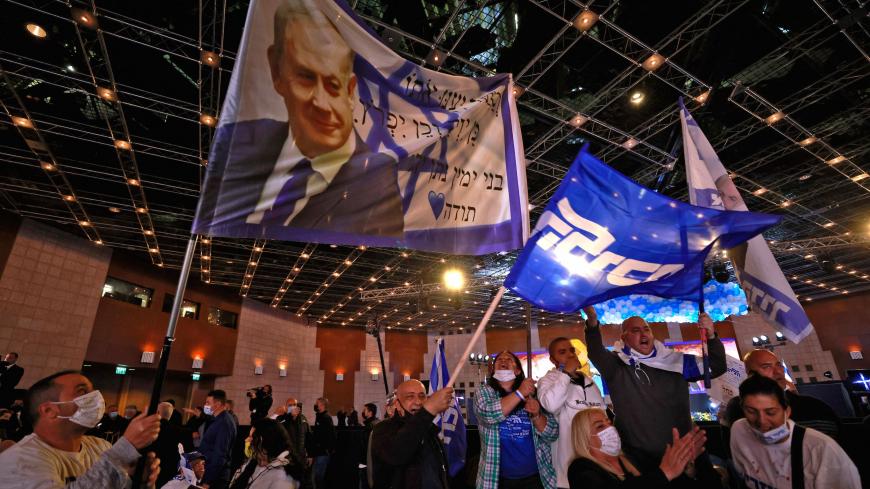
[{"x": 558, "y": 432}]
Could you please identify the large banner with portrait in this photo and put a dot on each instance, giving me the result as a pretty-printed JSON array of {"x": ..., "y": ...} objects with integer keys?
[{"x": 326, "y": 135}]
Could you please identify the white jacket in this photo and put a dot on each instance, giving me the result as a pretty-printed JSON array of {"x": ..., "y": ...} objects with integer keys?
[
  {"x": 563, "y": 399},
  {"x": 272, "y": 476}
]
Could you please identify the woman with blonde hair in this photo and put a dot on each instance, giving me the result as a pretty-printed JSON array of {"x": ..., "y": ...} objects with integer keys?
[{"x": 600, "y": 463}]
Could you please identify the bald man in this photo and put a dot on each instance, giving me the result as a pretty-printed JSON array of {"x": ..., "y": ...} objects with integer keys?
[
  {"x": 649, "y": 384},
  {"x": 806, "y": 411},
  {"x": 406, "y": 451}
]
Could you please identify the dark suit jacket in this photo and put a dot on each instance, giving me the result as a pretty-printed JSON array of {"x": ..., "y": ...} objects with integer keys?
[
  {"x": 166, "y": 449},
  {"x": 363, "y": 198},
  {"x": 9, "y": 378}
]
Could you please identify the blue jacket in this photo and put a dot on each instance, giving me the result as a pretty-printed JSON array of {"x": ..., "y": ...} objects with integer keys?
[{"x": 217, "y": 445}]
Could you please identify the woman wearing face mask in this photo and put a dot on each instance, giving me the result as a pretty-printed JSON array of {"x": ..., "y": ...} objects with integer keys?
[
  {"x": 600, "y": 462},
  {"x": 515, "y": 433},
  {"x": 270, "y": 461}
]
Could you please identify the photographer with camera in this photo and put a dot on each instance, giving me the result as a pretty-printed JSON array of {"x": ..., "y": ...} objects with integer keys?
[{"x": 260, "y": 401}]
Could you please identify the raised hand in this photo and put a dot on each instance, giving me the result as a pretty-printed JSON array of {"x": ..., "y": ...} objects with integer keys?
[
  {"x": 704, "y": 321},
  {"x": 143, "y": 430},
  {"x": 591, "y": 315},
  {"x": 527, "y": 387},
  {"x": 533, "y": 407},
  {"x": 439, "y": 401}
]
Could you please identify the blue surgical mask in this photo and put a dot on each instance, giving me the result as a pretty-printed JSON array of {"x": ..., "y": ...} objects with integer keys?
[
  {"x": 207, "y": 410},
  {"x": 773, "y": 436}
]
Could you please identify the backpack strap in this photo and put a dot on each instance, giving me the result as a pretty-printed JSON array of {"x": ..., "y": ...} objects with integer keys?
[{"x": 797, "y": 457}]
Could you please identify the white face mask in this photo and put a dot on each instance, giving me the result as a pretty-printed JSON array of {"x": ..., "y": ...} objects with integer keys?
[
  {"x": 91, "y": 408},
  {"x": 773, "y": 436},
  {"x": 610, "y": 442},
  {"x": 504, "y": 375},
  {"x": 207, "y": 410}
]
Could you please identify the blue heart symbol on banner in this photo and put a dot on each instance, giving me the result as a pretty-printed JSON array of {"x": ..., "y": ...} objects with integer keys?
[{"x": 436, "y": 201}]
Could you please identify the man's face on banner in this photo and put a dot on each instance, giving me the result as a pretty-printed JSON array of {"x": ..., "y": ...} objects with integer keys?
[{"x": 312, "y": 70}]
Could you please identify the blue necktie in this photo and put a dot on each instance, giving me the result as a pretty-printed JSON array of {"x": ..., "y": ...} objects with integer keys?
[{"x": 293, "y": 190}]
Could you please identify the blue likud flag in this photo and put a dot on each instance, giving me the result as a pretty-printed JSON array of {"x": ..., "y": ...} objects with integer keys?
[
  {"x": 327, "y": 135},
  {"x": 603, "y": 236},
  {"x": 767, "y": 290},
  {"x": 450, "y": 421}
]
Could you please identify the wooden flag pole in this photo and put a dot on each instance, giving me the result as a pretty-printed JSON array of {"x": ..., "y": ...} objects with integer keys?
[{"x": 480, "y": 327}]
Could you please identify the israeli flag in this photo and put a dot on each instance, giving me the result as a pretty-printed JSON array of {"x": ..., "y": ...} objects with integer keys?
[
  {"x": 603, "y": 236},
  {"x": 767, "y": 290},
  {"x": 451, "y": 423}
]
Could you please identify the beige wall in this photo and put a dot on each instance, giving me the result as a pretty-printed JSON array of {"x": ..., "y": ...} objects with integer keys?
[
  {"x": 270, "y": 337},
  {"x": 49, "y": 292}
]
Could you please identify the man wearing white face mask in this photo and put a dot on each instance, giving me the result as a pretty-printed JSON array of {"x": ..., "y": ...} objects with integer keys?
[
  {"x": 771, "y": 451},
  {"x": 296, "y": 425},
  {"x": 58, "y": 454}
]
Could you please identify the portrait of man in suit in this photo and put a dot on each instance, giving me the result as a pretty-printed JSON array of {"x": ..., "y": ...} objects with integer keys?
[{"x": 313, "y": 171}]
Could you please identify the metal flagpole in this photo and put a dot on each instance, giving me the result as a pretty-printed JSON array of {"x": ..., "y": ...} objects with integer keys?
[
  {"x": 529, "y": 339},
  {"x": 160, "y": 375},
  {"x": 704, "y": 355},
  {"x": 474, "y": 338}
]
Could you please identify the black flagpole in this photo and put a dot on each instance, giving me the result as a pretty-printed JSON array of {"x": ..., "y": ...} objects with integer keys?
[
  {"x": 160, "y": 375},
  {"x": 375, "y": 330},
  {"x": 703, "y": 332}
]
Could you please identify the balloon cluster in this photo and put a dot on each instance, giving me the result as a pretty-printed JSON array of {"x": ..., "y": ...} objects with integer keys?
[{"x": 720, "y": 301}]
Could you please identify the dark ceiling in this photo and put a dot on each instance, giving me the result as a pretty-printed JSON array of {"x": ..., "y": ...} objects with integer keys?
[{"x": 746, "y": 59}]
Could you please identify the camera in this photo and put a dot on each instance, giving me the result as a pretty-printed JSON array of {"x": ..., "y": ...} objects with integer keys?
[{"x": 254, "y": 392}]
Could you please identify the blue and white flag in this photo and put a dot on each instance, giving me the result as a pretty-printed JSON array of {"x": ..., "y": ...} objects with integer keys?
[
  {"x": 327, "y": 135},
  {"x": 767, "y": 290},
  {"x": 604, "y": 236},
  {"x": 451, "y": 422}
]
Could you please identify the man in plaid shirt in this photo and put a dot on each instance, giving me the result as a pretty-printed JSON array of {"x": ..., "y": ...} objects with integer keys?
[{"x": 507, "y": 417}]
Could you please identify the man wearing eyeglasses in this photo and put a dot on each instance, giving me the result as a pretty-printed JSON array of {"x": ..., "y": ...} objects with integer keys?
[{"x": 649, "y": 384}]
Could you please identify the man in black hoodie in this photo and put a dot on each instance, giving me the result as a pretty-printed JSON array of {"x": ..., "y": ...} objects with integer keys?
[
  {"x": 322, "y": 441},
  {"x": 406, "y": 450}
]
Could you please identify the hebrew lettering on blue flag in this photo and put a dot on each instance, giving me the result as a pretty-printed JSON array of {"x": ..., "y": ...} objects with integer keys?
[
  {"x": 604, "y": 236},
  {"x": 450, "y": 421},
  {"x": 327, "y": 135}
]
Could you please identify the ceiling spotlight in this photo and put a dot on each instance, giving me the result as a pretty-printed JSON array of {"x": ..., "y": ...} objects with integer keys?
[
  {"x": 629, "y": 143},
  {"x": 114, "y": 210},
  {"x": 454, "y": 279},
  {"x": 828, "y": 224},
  {"x": 759, "y": 192},
  {"x": 132, "y": 181},
  {"x": 149, "y": 232},
  {"x": 702, "y": 99},
  {"x": 654, "y": 62},
  {"x": 22, "y": 122},
  {"x": 153, "y": 250},
  {"x": 636, "y": 97},
  {"x": 836, "y": 159},
  {"x": 47, "y": 166},
  {"x": 436, "y": 58},
  {"x": 207, "y": 120},
  {"x": 808, "y": 141},
  {"x": 805, "y": 177},
  {"x": 780, "y": 336},
  {"x": 106, "y": 94},
  {"x": 518, "y": 91},
  {"x": 858, "y": 178},
  {"x": 121, "y": 144},
  {"x": 578, "y": 120},
  {"x": 775, "y": 117},
  {"x": 84, "y": 18},
  {"x": 763, "y": 338},
  {"x": 304, "y": 256},
  {"x": 585, "y": 20},
  {"x": 84, "y": 223},
  {"x": 36, "y": 30},
  {"x": 209, "y": 58},
  {"x": 785, "y": 203},
  {"x": 141, "y": 210},
  {"x": 809, "y": 256}
]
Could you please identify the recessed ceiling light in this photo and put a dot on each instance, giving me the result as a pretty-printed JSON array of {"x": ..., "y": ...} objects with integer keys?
[
  {"x": 585, "y": 20},
  {"x": 808, "y": 141},
  {"x": 654, "y": 62},
  {"x": 636, "y": 98},
  {"x": 114, "y": 210},
  {"x": 775, "y": 117},
  {"x": 36, "y": 30},
  {"x": 47, "y": 166},
  {"x": 837, "y": 159},
  {"x": 805, "y": 177}
]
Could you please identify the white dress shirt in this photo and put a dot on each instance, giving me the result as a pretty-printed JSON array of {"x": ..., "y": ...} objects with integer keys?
[{"x": 325, "y": 166}]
